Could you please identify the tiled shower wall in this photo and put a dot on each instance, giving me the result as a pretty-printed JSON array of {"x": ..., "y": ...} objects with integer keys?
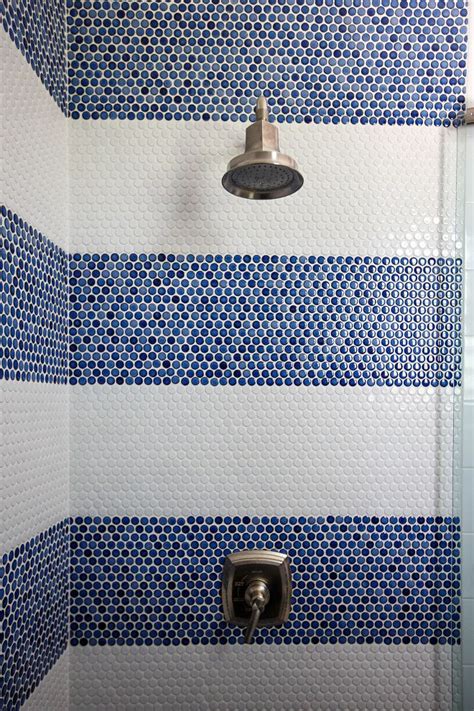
[
  {"x": 274, "y": 374},
  {"x": 224, "y": 401},
  {"x": 210, "y": 416},
  {"x": 34, "y": 393}
]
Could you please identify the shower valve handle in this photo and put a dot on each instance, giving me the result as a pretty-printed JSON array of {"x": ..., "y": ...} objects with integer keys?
[{"x": 257, "y": 596}]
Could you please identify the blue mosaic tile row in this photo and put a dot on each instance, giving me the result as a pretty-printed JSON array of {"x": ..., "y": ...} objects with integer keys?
[
  {"x": 356, "y": 580},
  {"x": 237, "y": 320},
  {"x": 264, "y": 320},
  {"x": 37, "y": 27},
  {"x": 331, "y": 61},
  {"x": 34, "y": 304},
  {"x": 35, "y": 604}
]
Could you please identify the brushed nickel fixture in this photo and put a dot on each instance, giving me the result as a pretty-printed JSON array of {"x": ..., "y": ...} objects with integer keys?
[
  {"x": 262, "y": 172},
  {"x": 468, "y": 116},
  {"x": 256, "y": 589}
]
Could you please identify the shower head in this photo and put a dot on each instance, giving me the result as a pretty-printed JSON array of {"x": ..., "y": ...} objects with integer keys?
[{"x": 262, "y": 172}]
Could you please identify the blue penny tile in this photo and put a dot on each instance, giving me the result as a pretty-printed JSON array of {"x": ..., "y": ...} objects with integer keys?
[
  {"x": 35, "y": 602},
  {"x": 38, "y": 30},
  {"x": 264, "y": 320},
  {"x": 34, "y": 305},
  {"x": 346, "y": 61},
  {"x": 331, "y": 61},
  {"x": 356, "y": 579}
]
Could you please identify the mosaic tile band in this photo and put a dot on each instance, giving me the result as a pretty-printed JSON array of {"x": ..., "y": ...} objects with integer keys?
[
  {"x": 35, "y": 602},
  {"x": 377, "y": 61},
  {"x": 264, "y": 320},
  {"x": 38, "y": 31},
  {"x": 33, "y": 298},
  {"x": 356, "y": 580}
]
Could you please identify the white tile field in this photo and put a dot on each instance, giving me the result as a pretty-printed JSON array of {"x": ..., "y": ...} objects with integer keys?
[
  {"x": 34, "y": 466},
  {"x": 182, "y": 450},
  {"x": 331, "y": 678},
  {"x": 156, "y": 187},
  {"x": 33, "y": 137}
]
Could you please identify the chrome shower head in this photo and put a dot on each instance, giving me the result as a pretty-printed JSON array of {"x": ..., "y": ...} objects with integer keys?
[{"x": 262, "y": 172}]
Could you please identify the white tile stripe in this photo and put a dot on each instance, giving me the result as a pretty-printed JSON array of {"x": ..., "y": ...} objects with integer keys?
[
  {"x": 34, "y": 465},
  {"x": 155, "y": 186},
  {"x": 331, "y": 678},
  {"x": 33, "y": 136},
  {"x": 185, "y": 450}
]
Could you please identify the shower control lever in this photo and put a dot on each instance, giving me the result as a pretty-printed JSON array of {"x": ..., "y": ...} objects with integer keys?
[
  {"x": 257, "y": 596},
  {"x": 256, "y": 589}
]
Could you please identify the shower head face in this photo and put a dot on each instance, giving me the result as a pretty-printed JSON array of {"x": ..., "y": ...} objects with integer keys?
[
  {"x": 262, "y": 172},
  {"x": 262, "y": 177},
  {"x": 259, "y": 179}
]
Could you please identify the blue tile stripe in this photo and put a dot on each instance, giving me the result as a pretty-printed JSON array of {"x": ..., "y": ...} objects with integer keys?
[
  {"x": 264, "y": 320},
  {"x": 223, "y": 319},
  {"x": 33, "y": 303},
  {"x": 34, "y": 620},
  {"x": 37, "y": 27},
  {"x": 331, "y": 61},
  {"x": 356, "y": 580}
]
